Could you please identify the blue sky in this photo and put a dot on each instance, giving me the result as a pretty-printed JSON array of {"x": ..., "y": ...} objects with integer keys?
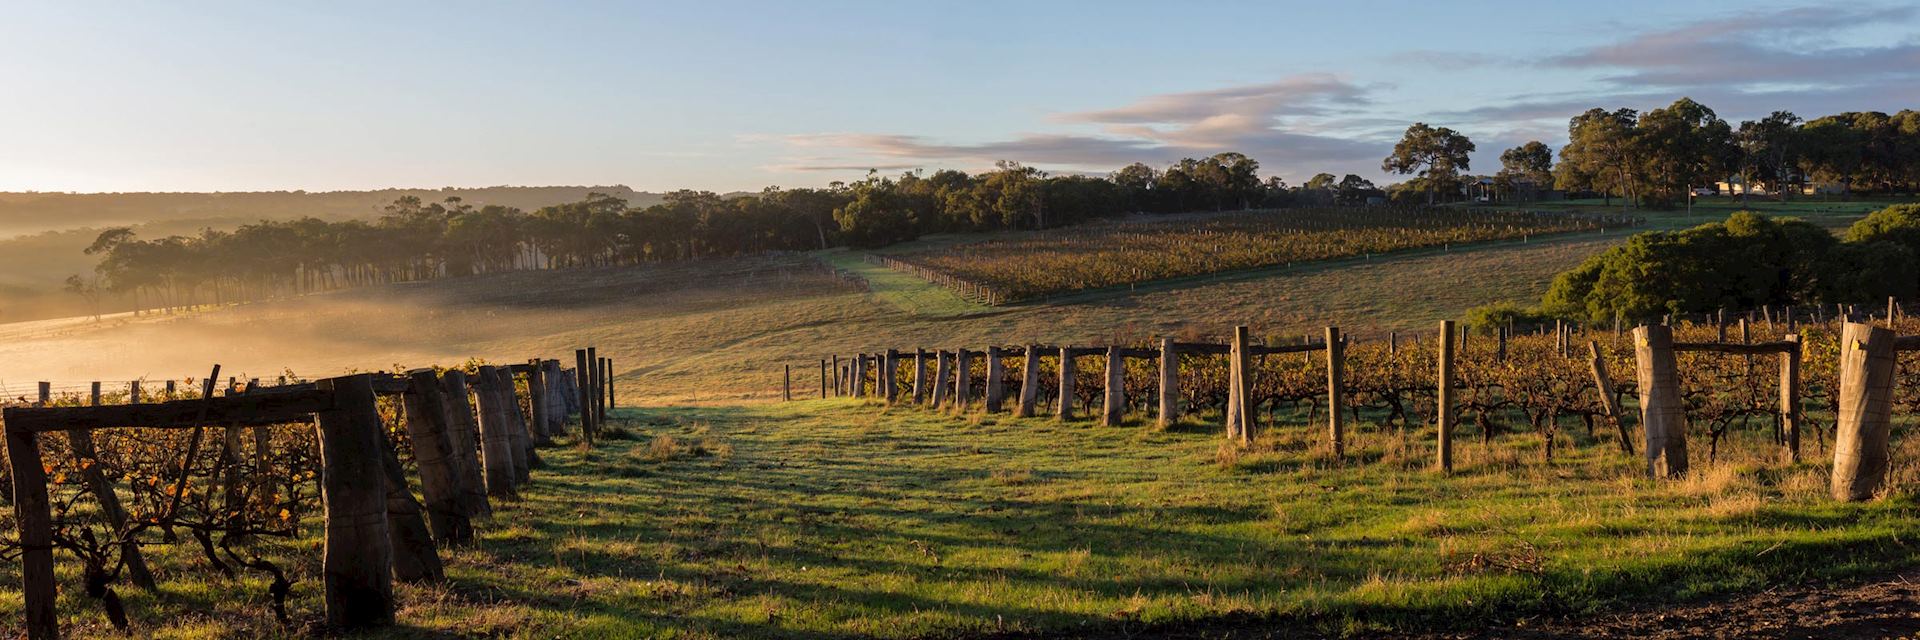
[{"x": 737, "y": 95}]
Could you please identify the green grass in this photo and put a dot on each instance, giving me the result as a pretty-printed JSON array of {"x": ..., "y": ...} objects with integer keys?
[
  {"x": 903, "y": 291},
  {"x": 830, "y": 519}
]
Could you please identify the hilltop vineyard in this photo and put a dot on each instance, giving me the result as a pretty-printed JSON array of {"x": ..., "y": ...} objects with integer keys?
[{"x": 1040, "y": 264}]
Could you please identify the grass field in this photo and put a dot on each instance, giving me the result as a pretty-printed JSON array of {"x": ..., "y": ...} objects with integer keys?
[
  {"x": 721, "y": 515},
  {"x": 832, "y": 519}
]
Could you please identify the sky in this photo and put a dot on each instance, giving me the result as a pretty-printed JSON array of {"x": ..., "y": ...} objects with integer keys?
[{"x": 726, "y": 96}]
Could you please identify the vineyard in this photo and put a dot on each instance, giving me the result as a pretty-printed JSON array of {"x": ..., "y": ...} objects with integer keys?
[
  {"x": 1746, "y": 391},
  {"x": 1094, "y": 256},
  {"x": 131, "y": 487}
]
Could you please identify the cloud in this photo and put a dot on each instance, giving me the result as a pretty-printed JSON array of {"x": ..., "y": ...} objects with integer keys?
[
  {"x": 1783, "y": 46},
  {"x": 1285, "y": 124}
]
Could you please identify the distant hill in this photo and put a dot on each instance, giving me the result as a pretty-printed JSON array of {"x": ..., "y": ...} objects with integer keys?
[{"x": 33, "y": 212}]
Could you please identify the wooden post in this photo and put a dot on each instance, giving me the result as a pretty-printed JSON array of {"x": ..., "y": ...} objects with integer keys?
[
  {"x": 583, "y": 388},
  {"x": 1336, "y": 391},
  {"x": 1115, "y": 408},
  {"x": 1603, "y": 385},
  {"x": 606, "y": 379},
  {"x": 1661, "y": 413},
  {"x": 358, "y": 564},
  {"x": 1790, "y": 412},
  {"x": 1443, "y": 395},
  {"x": 1500, "y": 337},
  {"x": 1169, "y": 383},
  {"x": 496, "y": 447},
  {"x": 996, "y": 393},
  {"x": 537, "y": 405},
  {"x": 1866, "y": 411},
  {"x": 46, "y": 394},
  {"x": 823, "y": 378},
  {"x": 962, "y": 379},
  {"x": 889, "y": 369},
  {"x": 786, "y": 384},
  {"x": 859, "y": 377},
  {"x": 33, "y": 515},
  {"x": 919, "y": 376},
  {"x": 414, "y": 556},
  {"x": 463, "y": 438},
  {"x": 133, "y": 392},
  {"x": 1029, "y": 381},
  {"x": 518, "y": 445},
  {"x": 941, "y": 371},
  {"x": 427, "y": 425},
  {"x": 837, "y": 392},
  {"x": 1240, "y": 387},
  {"x": 1065, "y": 409},
  {"x": 557, "y": 394},
  {"x": 1892, "y": 307}
]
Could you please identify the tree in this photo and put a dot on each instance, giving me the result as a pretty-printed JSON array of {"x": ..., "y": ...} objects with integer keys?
[
  {"x": 1435, "y": 154},
  {"x": 1682, "y": 146},
  {"x": 1354, "y": 189},
  {"x": 1599, "y": 154},
  {"x": 1526, "y": 168},
  {"x": 1767, "y": 152}
]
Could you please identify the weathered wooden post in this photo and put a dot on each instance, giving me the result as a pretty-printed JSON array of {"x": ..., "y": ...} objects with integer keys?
[
  {"x": 919, "y": 376},
  {"x": 1336, "y": 391},
  {"x": 823, "y": 378},
  {"x": 597, "y": 374},
  {"x": 1603, "y": 385},
  {"x": 1029, "y": 381},
  {"x": 557, "y": 394},
  {"x": 358, "y": 563},
  {"x": 537, "y": 402},
  {"x": 427, "y": 425},
  {"x": 786, "y": 384},
  {"x": 1790, "y": 411},
  {"x": 463, "y": 438},
  {"x": 33, "y": 515},
  {"x": 1115, "y": 407},
  {"x": 1661, "y": 414},
  {"x": 1065, "y": 410},
  {"x": 1240, "y": 387},
  {"x": 583, "y": 388},
  {"x": 859, "y": 377},
  {"x": 606, "y": 381},
  {"x": 133, "y": 392},
  {"x": 496, "y": 445},
  {"x": 520, "y": 447},
  {"x": 1443, "y": 398},
  {"x": 1169, "y": 383},
  {"x": 962, "y": 379},
  {"x": 1866, "y": 411},
  {"x": 838, "y": 388},
  {"x": 941, "y": 371},
  {"x": 46, "y": 394},
  {"x": 889, "y": 370},
  {"x": 414, "y": 556},
  {"x": 996, "y": 393}
]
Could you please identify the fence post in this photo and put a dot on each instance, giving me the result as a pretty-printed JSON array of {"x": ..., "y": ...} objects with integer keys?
[
  {"x": 1661, "y": 413},
  {"x": 1029, "y": 381},
  {"x": 1336, "y": 391},
  {"x": 556, "y": 397},
  {"x": 786, "y": 384},
  {"x": 606, "y": 384},
  {"x": 919, "y": 376},
  {"x": 1240, "y": 387},
  {"x": 1603, "y": 385},
  {"x": 940, "y": 372},
  {"x": 889, "y": 370},
  {"x": 518, "y": 450},
  {"x": 358, "y": 552},
  {"x": 597, "y": 381},
  {"x": 1116, "y": 397},
  {"x": 414, "y": 557},
  {"x": 583, "y": 383},
  {"x": 496, "y": 448},
  {"x": 1065, "y": 411},
  {"x": 859, "y": 377},
  {"x": 1866, "y": 411},
  {"x": 46, "y": 394},
  {"x": 996, "y": 393},
  {"x": 1443, "y": 398},
  {"x": 1169, "y": 383},
  {"x": 1790, "y": 412},
  {"x": 823, "y": 378},
  {"x": 836, "y": 376},
  {"x": 463, "y": 435},
  {"x": 33, "y": 514},
  {"x": 962, "y": 378},
  {"x": 439, "y": 467}
]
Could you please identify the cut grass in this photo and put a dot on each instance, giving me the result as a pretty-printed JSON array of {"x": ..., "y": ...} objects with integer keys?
[{"x": 823, "y": 519}]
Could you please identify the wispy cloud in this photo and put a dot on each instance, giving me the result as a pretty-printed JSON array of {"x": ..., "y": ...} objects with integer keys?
[{"x": 1786, "y": 46}]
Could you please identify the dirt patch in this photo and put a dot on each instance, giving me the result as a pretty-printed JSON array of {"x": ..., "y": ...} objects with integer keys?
[{"x": 1885, "y": 607}]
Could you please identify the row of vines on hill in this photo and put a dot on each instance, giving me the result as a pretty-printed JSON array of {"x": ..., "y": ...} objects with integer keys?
[
  {"x": 237, "y": 500},
  {"x": 1537, "y": 383},
  {"x": 1110, "y": 254}
]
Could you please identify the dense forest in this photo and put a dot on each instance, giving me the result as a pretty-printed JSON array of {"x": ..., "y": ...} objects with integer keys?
[{"x": 1653, "y": 159}]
